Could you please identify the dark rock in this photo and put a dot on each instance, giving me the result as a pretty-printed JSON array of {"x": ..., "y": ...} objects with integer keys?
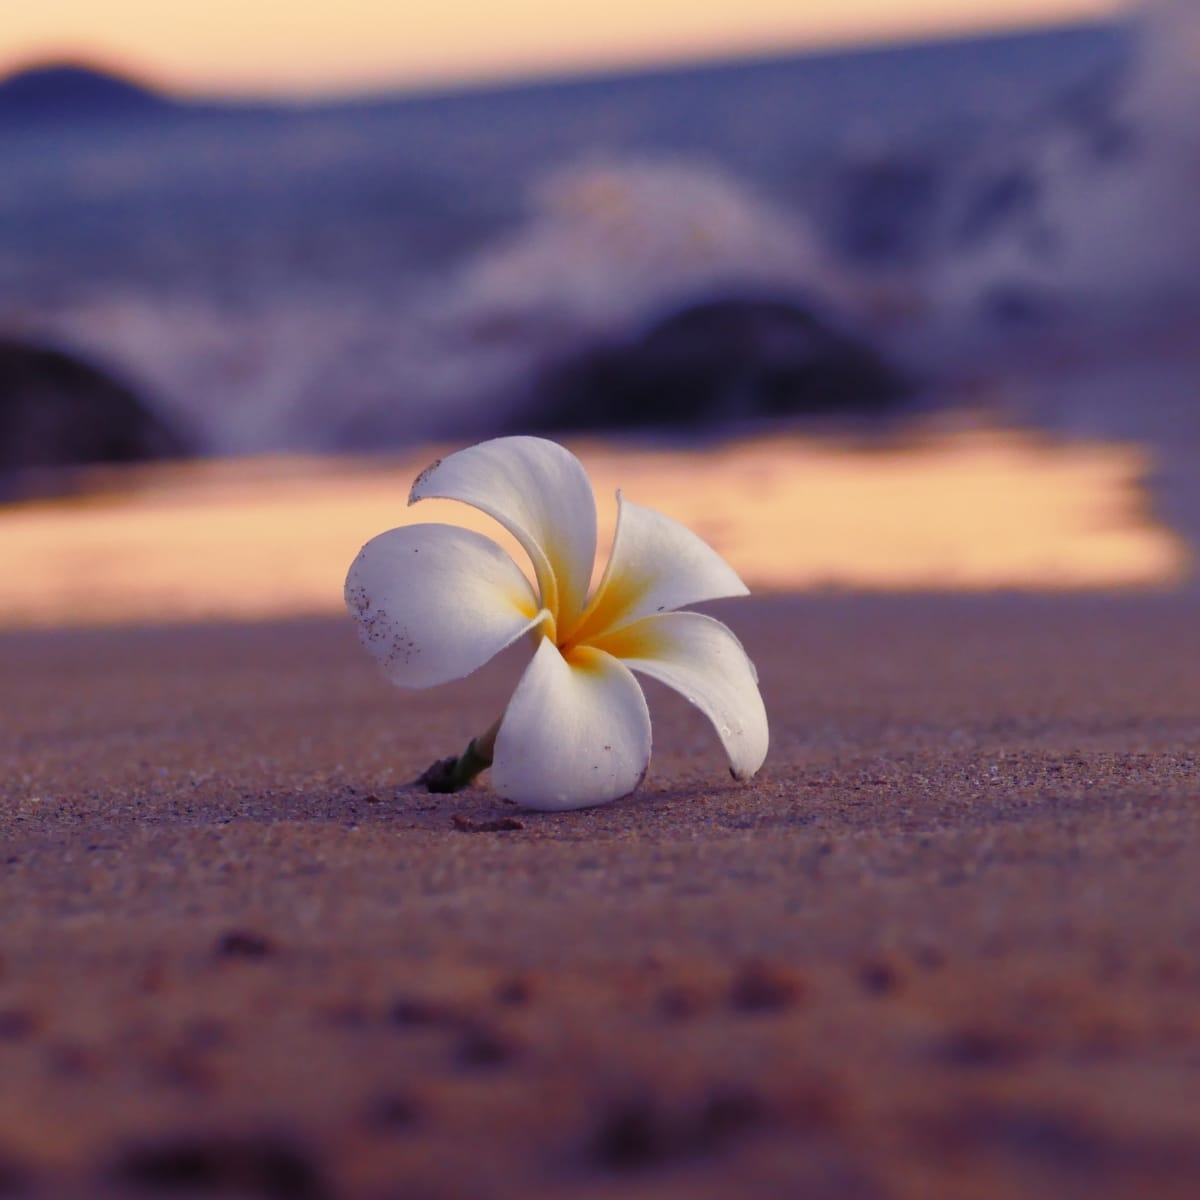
[
  {"x": 74, "y": 91},
  {"x": 56, "y": 410},
  {"x": 718, "y": 362}
]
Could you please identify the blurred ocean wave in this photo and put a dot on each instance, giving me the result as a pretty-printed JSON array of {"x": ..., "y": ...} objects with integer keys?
[{"x": 402, "y": 269}]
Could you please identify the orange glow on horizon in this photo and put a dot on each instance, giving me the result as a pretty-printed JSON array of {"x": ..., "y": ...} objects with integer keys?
[
  {"x": 230, "y": 46},
  {"x": 970, "y": 510}
]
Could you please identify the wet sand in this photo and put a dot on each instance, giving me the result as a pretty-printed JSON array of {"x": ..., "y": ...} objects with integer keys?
[{"x": 947, "y": 944}]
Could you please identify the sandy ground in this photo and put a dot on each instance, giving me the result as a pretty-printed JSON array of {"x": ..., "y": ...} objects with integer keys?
[{"x": 948, "y": 944}]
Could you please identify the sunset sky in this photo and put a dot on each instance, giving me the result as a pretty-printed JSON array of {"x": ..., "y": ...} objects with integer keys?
[{"x": 295, "y": 46}]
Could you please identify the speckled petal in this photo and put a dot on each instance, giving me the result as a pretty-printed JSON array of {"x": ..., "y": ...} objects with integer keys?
[
  {"x": 434, "y": 602},
  {"x": 702, "y": 660},
  {"x": 576, "y": 733},
  {"x": 538, "y": 491}
]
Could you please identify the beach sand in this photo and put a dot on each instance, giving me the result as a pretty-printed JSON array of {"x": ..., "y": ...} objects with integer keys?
[{"x": 946, "y": 944}]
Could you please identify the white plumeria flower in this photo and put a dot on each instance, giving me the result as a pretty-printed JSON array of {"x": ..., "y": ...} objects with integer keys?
[{"x": 435, "y": 602}]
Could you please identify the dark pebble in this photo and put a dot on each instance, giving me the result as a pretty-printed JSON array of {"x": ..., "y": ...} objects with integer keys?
[
  {"x": 484, "y": 1047},
  {"x": 759, "y": 988},
  {"x": 638, "y": 1133},
  {"x": 726, "y": 1113},
  {"x": 981, "y": 1048},
  {"x": 499, "y": 825},
  {"x": 515, "y": 992},
  {"x": 238, "y": 943},
  {"x": 879, "y": 978},
  {"x": 265, "y": 1167},
  {"x": 631, "y": 1134},
  {"x": 411, "y": 1011}
]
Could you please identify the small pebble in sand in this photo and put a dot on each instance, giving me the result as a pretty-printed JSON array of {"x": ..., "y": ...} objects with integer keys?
[
  {"x": 416, "y": 1011},
  {"x": 245, "y": 1165},
  {"x": 640, "y": 1131},
  {"x": 979, "y": 1047},
  {"x": 239, "y": 943},
  {"x": 482, "y": 1046},
  {"x": 761, "y": 988},
  {"x": 499, "y": 825},
  {"x": 631, "y": 1134},
  {"x": 514, "y": 992},
  {"x": 727, "y": 1112},
  {"x": 879, "y": 978}
]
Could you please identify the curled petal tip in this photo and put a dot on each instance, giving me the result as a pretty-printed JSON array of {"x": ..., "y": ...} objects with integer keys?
[
  {"x": 700, "y": 658},
  {"x": 418, "y": 483},
  {"x": 539, "y": 492}
]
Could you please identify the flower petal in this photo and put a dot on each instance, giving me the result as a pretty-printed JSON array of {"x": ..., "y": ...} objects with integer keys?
[
  {"x": 657, "y": 565},
  {"x": 575, "y": 733},
  {"x": 538, "y": 491},
  {"x": 434, "y": 602},
  {"x": 702, "y": 660}
]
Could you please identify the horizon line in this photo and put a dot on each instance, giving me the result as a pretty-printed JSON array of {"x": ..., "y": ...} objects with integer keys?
[{"x": 533, "y": 76}]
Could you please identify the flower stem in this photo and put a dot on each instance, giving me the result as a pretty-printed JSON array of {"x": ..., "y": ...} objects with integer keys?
[{"x": 454, "y": 774}]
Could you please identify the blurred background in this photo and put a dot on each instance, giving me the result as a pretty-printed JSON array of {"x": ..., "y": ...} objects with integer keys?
[{"x": 907, "y": 297}]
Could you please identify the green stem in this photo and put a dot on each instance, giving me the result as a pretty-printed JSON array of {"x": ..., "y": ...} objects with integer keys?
[{"x": 454, "y": 774}]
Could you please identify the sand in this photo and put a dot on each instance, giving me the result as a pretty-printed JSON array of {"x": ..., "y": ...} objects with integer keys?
[{"x": 947, "y": 944}]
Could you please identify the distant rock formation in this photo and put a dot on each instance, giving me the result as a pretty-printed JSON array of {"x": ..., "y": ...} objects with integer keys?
[
  {"x": 72, "y": 91},
  {"x": 719, "y": 362},
  {"x": 58, "y": 411}
]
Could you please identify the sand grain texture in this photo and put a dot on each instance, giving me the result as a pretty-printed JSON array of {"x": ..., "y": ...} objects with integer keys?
[{"x": 948, "y": 943}]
